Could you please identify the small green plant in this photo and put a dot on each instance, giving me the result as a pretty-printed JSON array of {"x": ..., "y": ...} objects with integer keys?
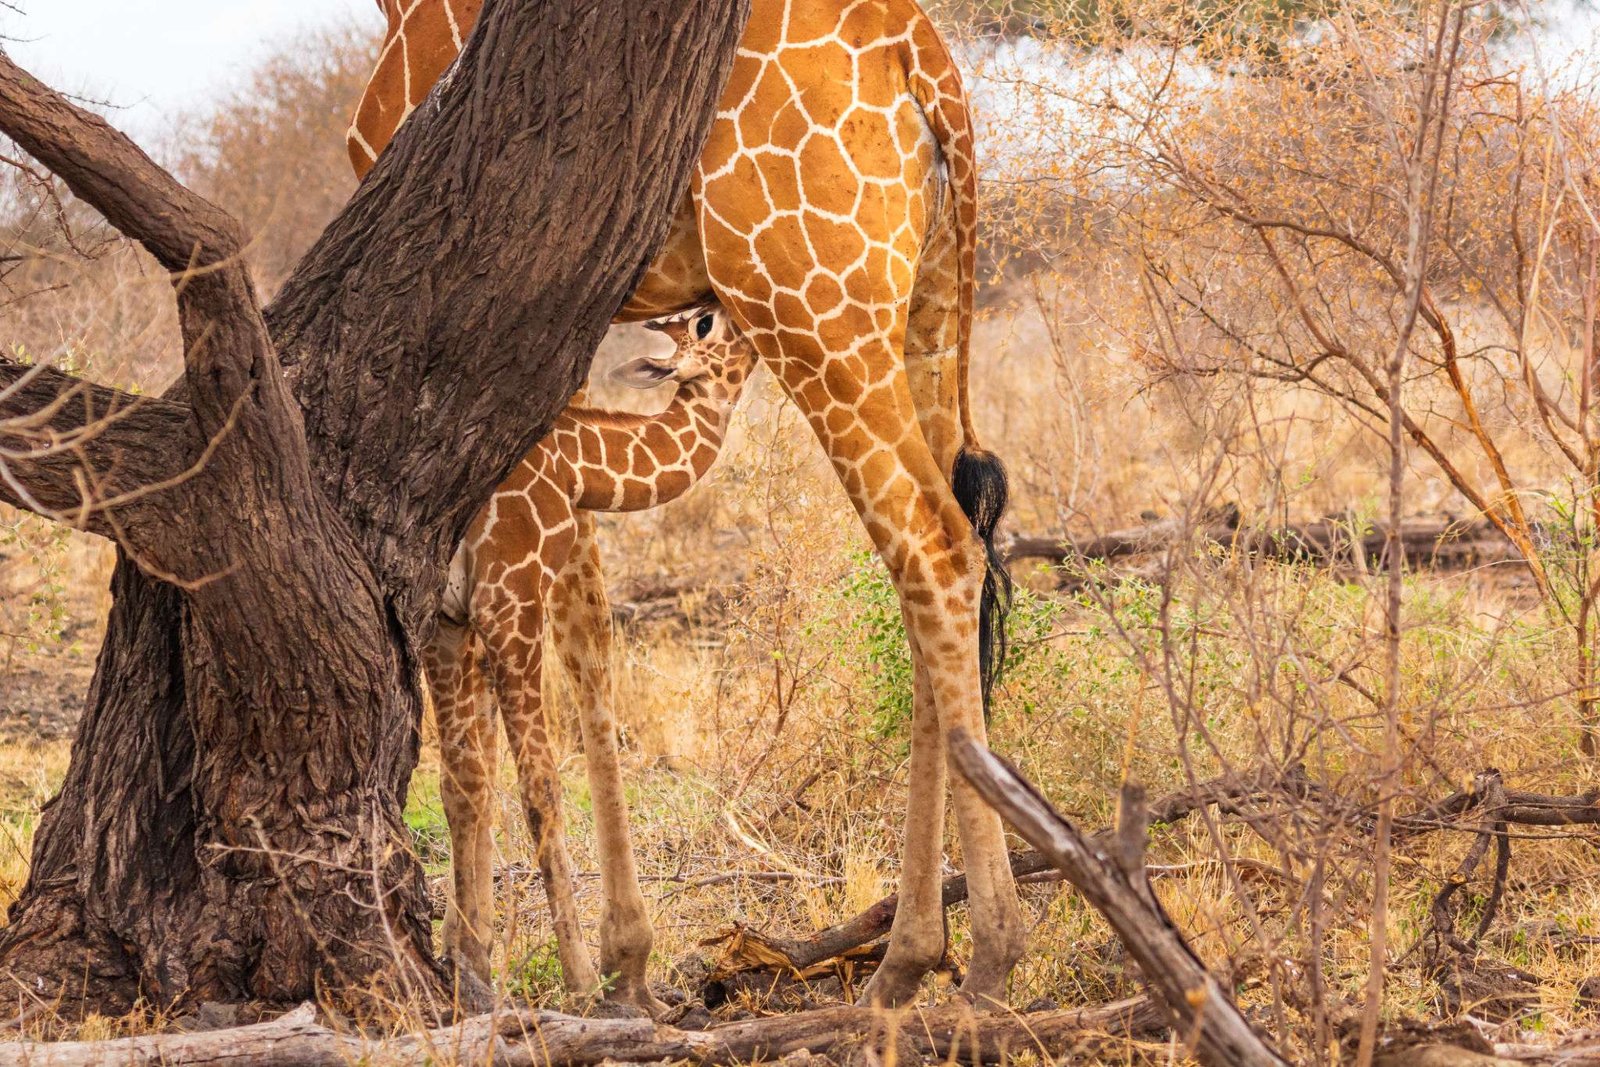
[
  {"x": 425, "y": 819},
  {"x": 868, "y": 612},
  {"x": 880, "y": 634},
  {"x": 33, "y": 559},
  {"x": 536, "y": 975}
]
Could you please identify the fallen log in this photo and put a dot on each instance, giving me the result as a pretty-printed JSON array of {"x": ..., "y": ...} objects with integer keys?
[
  {"x": 1576, "y": 1050},
  {"x": 1113, "y": 880},
  {"x": 1217, "y": 525},
  {"x": 662, "y": 600},
  {"x": 1439, "y": 1056},
  {"x": 525, "y": 1038},
  {"x": 1516, "y": 806},
  {"x": 1442, "y": 544}
]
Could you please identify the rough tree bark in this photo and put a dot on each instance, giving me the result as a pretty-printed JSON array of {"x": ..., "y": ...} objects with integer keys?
[{"x": 230, "y": 824}]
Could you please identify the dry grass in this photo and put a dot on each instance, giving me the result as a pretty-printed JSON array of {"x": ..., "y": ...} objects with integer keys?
[{"x": 767, "y": 722}]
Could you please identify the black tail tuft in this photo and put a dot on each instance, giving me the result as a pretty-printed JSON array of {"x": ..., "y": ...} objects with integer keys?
[{"x": 979, "y": 482}]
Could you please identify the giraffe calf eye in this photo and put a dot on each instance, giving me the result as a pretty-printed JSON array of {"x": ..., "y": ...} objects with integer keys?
[{"x": 702, "y": 327}]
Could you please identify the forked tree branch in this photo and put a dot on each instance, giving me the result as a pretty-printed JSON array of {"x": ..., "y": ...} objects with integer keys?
[
  {"x": 240, "y": 408},
  {"x": 1113, "y": 880},
  {"x": 113, "y": 175}
]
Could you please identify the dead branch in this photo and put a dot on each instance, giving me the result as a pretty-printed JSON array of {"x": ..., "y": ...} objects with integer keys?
[
  {"x": 550, "y": 1039},
  {"x": 662, "y": 600},
  {"x": 1240, "y": 796},
  {"x": 747, "y": 949},
  {"x": 1442, "y": 939},
  {"x": 1198, "y": 1006}
]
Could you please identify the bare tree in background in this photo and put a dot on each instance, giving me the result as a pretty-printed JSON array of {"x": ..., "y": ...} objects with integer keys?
[{"x": 230, "y": 824}]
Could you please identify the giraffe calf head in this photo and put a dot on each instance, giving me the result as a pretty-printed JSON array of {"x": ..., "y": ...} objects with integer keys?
[{"x": 710, "y": 355}]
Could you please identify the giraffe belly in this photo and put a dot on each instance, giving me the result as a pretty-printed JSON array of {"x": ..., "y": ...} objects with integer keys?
[
  {"x": 453, "y": 603},
  {"x": 677, "y": 278}
]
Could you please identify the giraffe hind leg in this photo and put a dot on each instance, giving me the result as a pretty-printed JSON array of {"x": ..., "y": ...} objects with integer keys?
[
  {"x": 977, "y": 477},
  {"x": 978, "y": 485},
  {"x": 903, "y": 495}
]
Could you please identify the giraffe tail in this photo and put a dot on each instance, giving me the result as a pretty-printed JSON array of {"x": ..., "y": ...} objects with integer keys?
[
  {"x": 978, "y": 478},
  {"x": 979, "y": 482}
]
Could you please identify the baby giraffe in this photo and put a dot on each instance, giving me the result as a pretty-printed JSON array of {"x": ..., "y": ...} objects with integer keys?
[{"x": 515, "y": 573}]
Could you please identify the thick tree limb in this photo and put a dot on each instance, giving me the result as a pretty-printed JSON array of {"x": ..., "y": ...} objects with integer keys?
[
  {"x": 92, "y": 451},
  {"x": 549, "y": 1039},
  {"x": 114, "y": 176},
  {"x": 1199, "y": 1007}
]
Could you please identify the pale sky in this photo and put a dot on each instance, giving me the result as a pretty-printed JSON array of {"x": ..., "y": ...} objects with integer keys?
[{"x": 156, "y": 58}]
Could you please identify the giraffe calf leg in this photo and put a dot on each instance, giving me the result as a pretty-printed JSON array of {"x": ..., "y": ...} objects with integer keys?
[
  {"x": 468, "y": 762},
  {"x": 580, "y": 621},
  {"x": 541, "y": 800},
  {"x": 516, "y": 659}
]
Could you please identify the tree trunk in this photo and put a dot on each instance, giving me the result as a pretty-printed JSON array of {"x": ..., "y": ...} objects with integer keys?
[{"x": 230, "y": 825}]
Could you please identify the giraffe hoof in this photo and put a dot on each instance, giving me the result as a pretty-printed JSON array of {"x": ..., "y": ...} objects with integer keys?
[
  {"x": 610, "y": 1008},
  {"x": 891, "y": 988},
  {"x": 472, "y": 994},
  {"x": 983, "y": 1003},
  {"x": 637, "y": 997}
]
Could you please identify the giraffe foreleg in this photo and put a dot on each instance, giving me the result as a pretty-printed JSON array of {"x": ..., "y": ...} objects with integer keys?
[
  {"x": 515, "y": 644},
  {"x": 581, "y": 629},
  {"x": 468, "y": 761}
]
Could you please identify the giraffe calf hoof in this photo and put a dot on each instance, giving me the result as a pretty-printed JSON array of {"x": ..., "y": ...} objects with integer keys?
[
  {"x": 607, "y": 1008},
  {"x": 472, "y": 994}
]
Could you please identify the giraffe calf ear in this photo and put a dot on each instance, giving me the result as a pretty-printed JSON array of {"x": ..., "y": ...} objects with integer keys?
[{"x": 646, "y": 372}]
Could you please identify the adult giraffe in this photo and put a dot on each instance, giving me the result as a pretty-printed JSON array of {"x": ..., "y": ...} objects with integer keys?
[{"x": 834, "y": 214}]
